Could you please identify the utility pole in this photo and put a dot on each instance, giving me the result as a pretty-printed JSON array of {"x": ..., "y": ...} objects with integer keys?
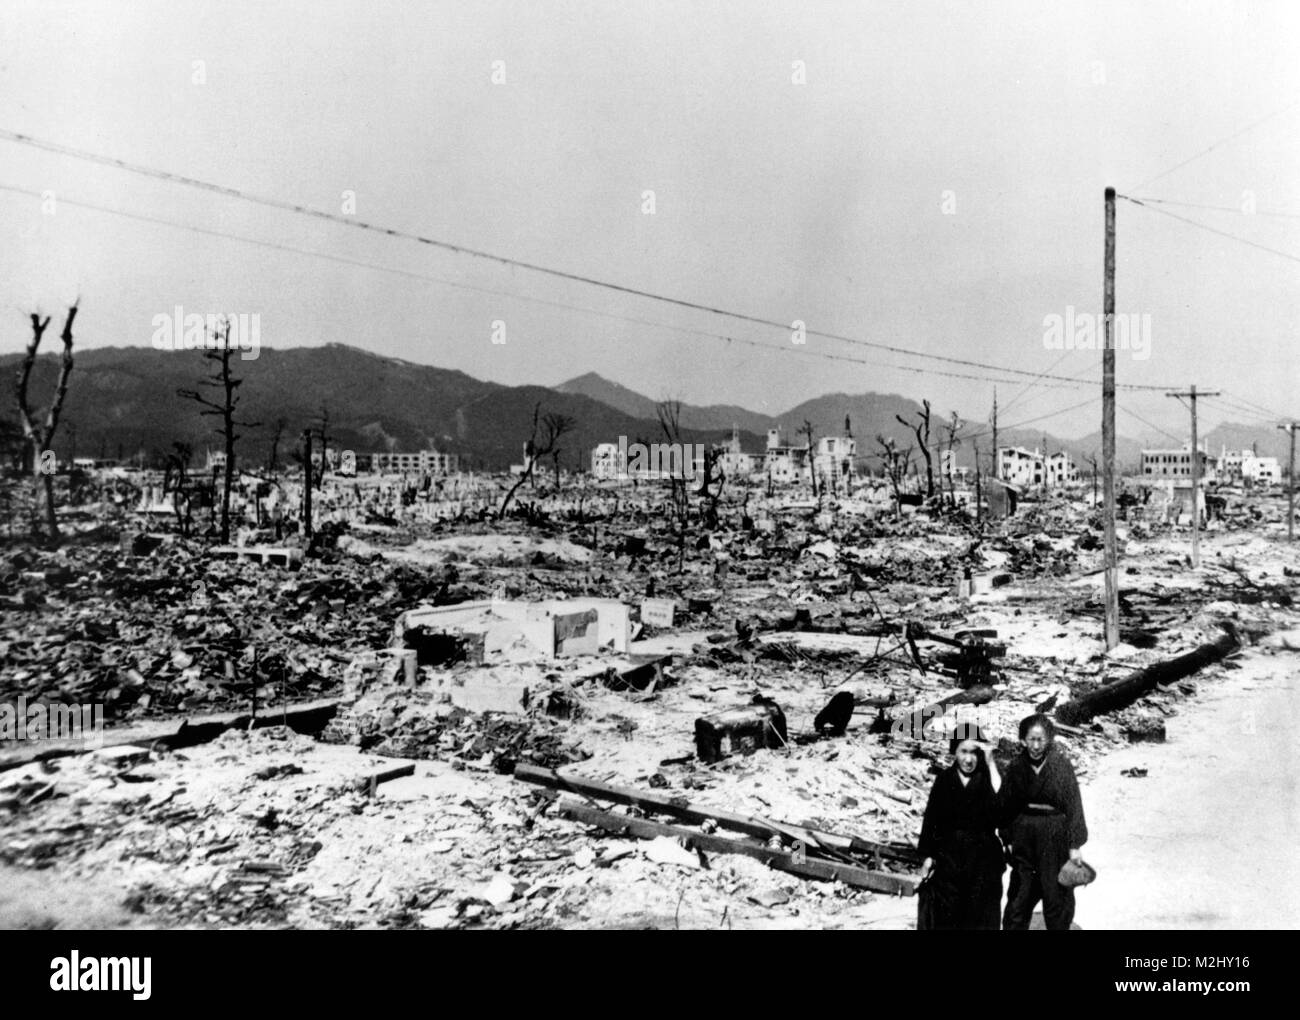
[
  {"x": 1108, "y": 427},
  {"x": 306, "y": 492},
  {"x": 1046, "y": 461},
  {"x": 1290, "y": 427},
  {"x": 996, "y": 472},
  {"x": 1196, "y": 475}
]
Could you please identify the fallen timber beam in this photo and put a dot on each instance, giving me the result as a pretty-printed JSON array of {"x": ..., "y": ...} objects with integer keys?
[
  {"x": 174, "y": 733},
  {"x": 1117, "y": 695},
  {"x": 750, "y": 825},
  {"x": 369, "y": 784},
  {"x": 781, "y": 860}
]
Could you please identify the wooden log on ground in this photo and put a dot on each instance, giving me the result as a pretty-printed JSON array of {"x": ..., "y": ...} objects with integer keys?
[
  {"x": 678, "y": 807},
  {"x": 781, "y": 860},
  {"x": 370, "y": 784},
  {"x": 1124, "y": 692},
  {"x": 171, "y": 733}
]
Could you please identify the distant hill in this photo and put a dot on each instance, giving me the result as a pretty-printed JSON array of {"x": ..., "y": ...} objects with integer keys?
[
  {"x": 714, "y": 416},
  {"x": 123, "y": 400},
  {"x": 1267, "y": 441}
]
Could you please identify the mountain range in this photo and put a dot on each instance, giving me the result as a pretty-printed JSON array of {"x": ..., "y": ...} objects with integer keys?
[{"x": 123, "y": 401}]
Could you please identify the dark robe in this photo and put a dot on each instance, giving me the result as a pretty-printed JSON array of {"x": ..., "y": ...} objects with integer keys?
[
  {"x": 959, "y": 832},
  {"x": 1042, "y": 820}
]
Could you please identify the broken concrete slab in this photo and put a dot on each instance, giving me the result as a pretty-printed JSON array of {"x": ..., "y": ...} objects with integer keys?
[
  {"x": 511, "y": 631},
  {"x": 267, "y": 555}
]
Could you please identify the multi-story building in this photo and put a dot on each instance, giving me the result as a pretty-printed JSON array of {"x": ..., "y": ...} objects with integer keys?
[
  {"x": 833, "y": 461},
  {"x": 1230, "y": 465},
  {"x": 1261, "y": 470},
  {"x": 735, "y": 463},
  {"x": 1019, "y": 466},
  {"x": 833, "y": 458},
  {"x": 784, "y": 464},
  {"x": 429, "y": 462},
  {"x": 1177, "y": 463},
  {"x": 1061, "y": 469},
  {"x": 1241, "y": 466}
]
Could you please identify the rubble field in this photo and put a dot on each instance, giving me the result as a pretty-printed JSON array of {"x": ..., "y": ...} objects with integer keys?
[{"x": 359, "y": 717}]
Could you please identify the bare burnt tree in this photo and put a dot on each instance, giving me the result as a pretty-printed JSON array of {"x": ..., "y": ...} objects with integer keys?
[
  {"x": 39, "y": 437},
  {"x": 712, "y": 472},
  {"x": 669, "y": 413},
  {"x": 221, "y": 379},
  {"x": 951, "y": 427},
  {"x": 807, "y": 431},
  {"x": 896, "y": 464},
  {"x": 176, "y": 481},
  {"x": 277, "y": 433},
  {"x": 922, "y": 430},
  {"x": 322, "y": 430},
  {"x": 552, "y": 427}
]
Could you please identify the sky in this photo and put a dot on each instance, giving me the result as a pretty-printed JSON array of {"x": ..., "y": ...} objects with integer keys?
[{"x": 924, "y": 175}]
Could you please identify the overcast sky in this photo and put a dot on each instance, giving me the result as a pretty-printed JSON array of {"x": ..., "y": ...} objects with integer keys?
[{"x": 936, "y": 184}]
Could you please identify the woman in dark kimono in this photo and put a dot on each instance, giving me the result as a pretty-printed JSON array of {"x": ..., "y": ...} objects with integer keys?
[
  {"x": 962, "y": 871},
  {"x": 1043, "y": 827}
]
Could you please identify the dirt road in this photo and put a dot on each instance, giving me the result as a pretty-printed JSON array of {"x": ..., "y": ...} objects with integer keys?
[{"x": 1208, "y": 839}]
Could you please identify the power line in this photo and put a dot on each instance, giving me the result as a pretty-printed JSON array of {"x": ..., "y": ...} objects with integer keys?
[
  {"x": 1238, "y": 410},
  {"x": 1078, "y": 376},
  {"x": 274, "y": 203},
  {"x": 1134, "y": 414},
  {"x": 1215, "y": 208},
  {"x": 522, "y": 297},
  {"x": 1251, "y": 403},
  {"x": 1222, "y": 141},
  {"x": 1212, "y": 230}
]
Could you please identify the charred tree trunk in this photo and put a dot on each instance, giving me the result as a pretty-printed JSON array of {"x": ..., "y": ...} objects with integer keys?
[{"x": 39, "y": 439}]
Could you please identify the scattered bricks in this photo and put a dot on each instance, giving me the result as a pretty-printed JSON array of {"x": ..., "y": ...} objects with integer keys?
[
  {"x": 370, "y": 672},
  {"x": 740, "y": 730},
  {"x": 387, "y": 667}
]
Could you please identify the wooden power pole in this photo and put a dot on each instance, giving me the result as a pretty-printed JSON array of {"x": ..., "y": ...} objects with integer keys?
[
  {"x": 997, "y": 473},
  {"x": 1290, "y": 484},
  {"x": 306, "y": 493},
  {"x": 1108, "y": 427},
  {"x": 1196, "y": 475}
]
